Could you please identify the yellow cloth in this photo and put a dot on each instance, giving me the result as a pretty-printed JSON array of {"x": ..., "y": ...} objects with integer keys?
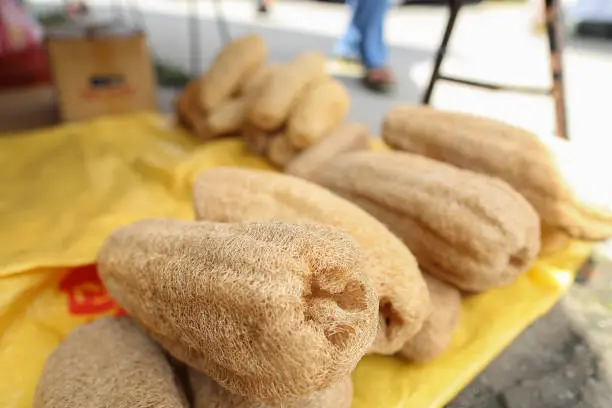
[{"x": 64, "y": 189}]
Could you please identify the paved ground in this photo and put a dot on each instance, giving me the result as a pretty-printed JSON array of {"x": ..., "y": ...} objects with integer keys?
[{"x": 563, "y": 360}]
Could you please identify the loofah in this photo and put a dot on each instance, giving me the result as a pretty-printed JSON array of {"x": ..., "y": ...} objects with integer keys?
[
  {"x": 513, "y": 154},
  {"x": 108, "y": 363},
  {"x": 256, "y": 140},
  {"x": 437, "y": 331},
  {"x": 270, "y": 311},
  {"x": 257, "y": 80},
  {"x": 346, "y": 138},
  {"x": 403, "y": 300},
  {"x": 280, "y": 93},
  {"x": 230, "y": 69},
  {"x": 553, "y": 240},
  {"x": 184, "y": 108},
  {"x": 464, "y": 228},
  {"x": 208, "y": 394},
  {"x": 280, "y": 151},
  {"x": 189, "y": 113},
  {"x": 228, "y": 117},
  {"x": 323, "y": 107}
]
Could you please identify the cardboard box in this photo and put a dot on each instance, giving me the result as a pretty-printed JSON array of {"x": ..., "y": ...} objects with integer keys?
[
  {"x": 100, "y": 69},
  {"x": 27, "y": 108}
]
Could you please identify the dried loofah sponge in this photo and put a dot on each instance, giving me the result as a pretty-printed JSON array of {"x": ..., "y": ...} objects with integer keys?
[
  {"x": 228, "y": 117},
  {"x": 464, "y": 228},
  {"x": 186, "y": 107},
  {"x": 270, "y": 311},
  {"x": 435, "y": 336},
  {"x": 111, "y": 362},
  {"x": 219, "y": 195},
  {"x": 280, "y": 151},
  {"x": 346, "y": 138},
  {"x": 189, "y": 113},
  {"x": 322, "y": 107},
  {"x": 208, "y": 394},
  {"x": 230, "y": 69},
  {"x": 256, "y": 141},
  {"x": 280, "y": 93},
  {"x": 553, "y": 240},
  {"x": 256, "y": 81},
  {"x": 536, "y": 169}
]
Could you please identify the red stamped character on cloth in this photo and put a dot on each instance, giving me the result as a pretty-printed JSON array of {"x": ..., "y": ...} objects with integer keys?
[{"x": 86, "y": 293}]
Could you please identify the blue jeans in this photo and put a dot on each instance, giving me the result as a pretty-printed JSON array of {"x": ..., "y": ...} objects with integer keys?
[{"x": 363, "y": 39}]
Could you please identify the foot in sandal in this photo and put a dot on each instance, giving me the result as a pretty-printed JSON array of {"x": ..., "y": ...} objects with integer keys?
[{"x": 379, "y": 80}]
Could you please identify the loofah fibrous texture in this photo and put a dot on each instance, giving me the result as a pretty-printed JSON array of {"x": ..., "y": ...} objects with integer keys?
[
  {"x": 465, "y": 228},
  {"x": 321, "y": 108},
  {"x": 281, "y": 92},
  {"x": 189, "y": 112},
  {"x": 270, "y": 311},
  {"x": 208, "y": 394},
  {"x": 345, "y": 138},
  {"x": 515, "y": 155},
  {"x": 553, "y": 240},
  {"x": 256, "y": 81},
  {"x": 111, "y": 362},
  {"x": 256, "y": 141},
  {"x": 280, "y": 151},
  {"x": 236, "y": 62},
  {"x": 219, "y": 195},
  {"x": 437, "y": 332},
  {"x": 228, "y": 117}
]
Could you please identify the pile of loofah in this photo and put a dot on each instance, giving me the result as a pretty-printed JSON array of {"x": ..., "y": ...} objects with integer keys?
[
  {"x": 475, "y": 200},
  {"x": 279, "y": 109},
  {"x": 258, "y": 314},
  {"x": 283, "y": 282}
]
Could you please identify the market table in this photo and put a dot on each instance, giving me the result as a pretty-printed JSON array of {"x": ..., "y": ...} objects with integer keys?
[{"x": 65, "y": 188}]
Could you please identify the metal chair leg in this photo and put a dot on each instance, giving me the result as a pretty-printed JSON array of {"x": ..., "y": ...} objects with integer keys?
[
  {"x": 554, "y": 32},
  {"x": 222, "y": 25},
  {"x": 586, "y": 271},
  {"x": 557, "y": 91},
  {"x": 194, "y": 38},
  {"x": 454, "y": 7},
  {"x": 194, "y": 33}
]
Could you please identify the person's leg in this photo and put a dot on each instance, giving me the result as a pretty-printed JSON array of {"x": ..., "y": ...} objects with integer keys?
[
  {"x": 347, "y": 46},
  {"x": 369, "y": 19}
]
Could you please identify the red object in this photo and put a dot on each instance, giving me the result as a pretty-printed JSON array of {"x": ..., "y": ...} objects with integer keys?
[
  {"x": 86, "y": 293},
  {"x": 23, "y": 59}
]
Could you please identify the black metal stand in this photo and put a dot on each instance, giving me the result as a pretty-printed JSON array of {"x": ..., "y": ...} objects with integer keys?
[
  {"x": 556, "y": 63},
  {"x": 586, "y": 271},
  {"x": 194, "y": 33},
  {"x": 194, "y": 38}
]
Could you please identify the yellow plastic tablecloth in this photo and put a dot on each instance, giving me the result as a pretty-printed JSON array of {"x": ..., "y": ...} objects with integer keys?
[{"x": 62, "y": 190}]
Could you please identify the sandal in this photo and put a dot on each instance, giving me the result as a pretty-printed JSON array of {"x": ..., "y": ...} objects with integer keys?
[
  {"x": 379, "y": 80},
  {"x": 263, "y": 6}
]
